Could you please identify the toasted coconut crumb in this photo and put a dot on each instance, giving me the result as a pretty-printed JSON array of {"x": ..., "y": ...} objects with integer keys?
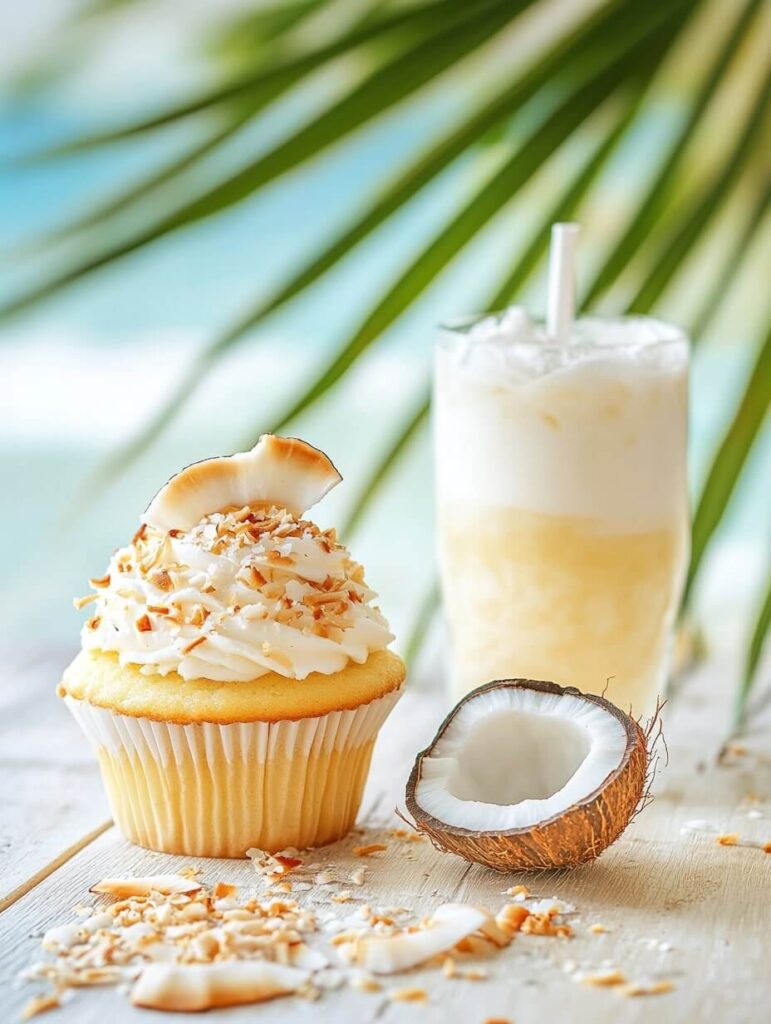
[
  {"x": 81, "y": 602},
  {"x": 766, "y": 847},
  {"x": 602, "y": 979},
  {"x": 653, "y": 988},
  {"x": 39, "y": 1004},
  {"x": 368, "y": 849},
  {"x": 358, "y": 876},
  {"x": 143, "y": 624},
  {"x": 94, "y": 621},
  {"x": 728, "y": 839},
  {"x": 543, "y": 924},
  {"x": 412, "y": 994},
  {"x": 193, "y": 644},
  {"x": 223, "y": 889},
  {"x": 511, "y": 917},
  {"x": 449, "y": 967},
  {"x": 598, "y": 929},
  {"x": 521, "y": 891},
  {"x": 103, "y": 581},
  {"x": 365, "y": 983}
]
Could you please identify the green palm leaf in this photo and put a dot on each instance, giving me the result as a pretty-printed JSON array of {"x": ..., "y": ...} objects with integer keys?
[
  {"x": 496, "y": 193},
  {"x": 733, "y": 261},
  {"x": 654, "y": 202},
  {"x": 387, "y": 462},
  {"x": 565, "y": 207},
  {"x": 384, "y": 88},
  {"x": 676, "y": 246},
  {"x": 754, "y": 651},
  {"x": 274, "y": 79},
  {"x": 588, "y": 45},
  {"x": 730, "y": 459},
  {"x": 427, "y": 610}
]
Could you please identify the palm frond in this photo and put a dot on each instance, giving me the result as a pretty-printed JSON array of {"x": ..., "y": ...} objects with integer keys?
[
  {"x": 388, "y": 85},
  {"x": 273, "y": 79},
  {"x": 381, "y": 471},
  {"x": 676, "y": 246},
  {"x": 729, "y": 459},
  {"x": 732, "y": 263},
  {"x": 755, "y": 648},
  {"x": 528, "y": 157},
  {"x": 565, "y": 207},
  {"x": 660, "y": 189},
  {"x": 589, "y": 45},
  {"x": 426, "y": 613}
]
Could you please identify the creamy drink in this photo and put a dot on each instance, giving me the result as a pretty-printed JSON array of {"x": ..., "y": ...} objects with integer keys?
[{"x": 561, "y": 501}]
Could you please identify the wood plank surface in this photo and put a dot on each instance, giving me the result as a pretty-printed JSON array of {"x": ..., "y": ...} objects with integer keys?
[
  {"x": 706, "y": 903},
  {"x": 52, "y": 793}
]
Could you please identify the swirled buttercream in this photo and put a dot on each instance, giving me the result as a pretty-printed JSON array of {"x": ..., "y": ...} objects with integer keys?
[{"x": 243, "y": 593}]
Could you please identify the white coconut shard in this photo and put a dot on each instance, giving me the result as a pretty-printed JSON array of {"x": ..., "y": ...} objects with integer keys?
[
  {"x": 165, "y": 884},
  {"x": 190, "y": 987},
  {"x": 390, "y": 954},
  {"x": 514, "y": 757},
  {"x": 280, "y": 470}
]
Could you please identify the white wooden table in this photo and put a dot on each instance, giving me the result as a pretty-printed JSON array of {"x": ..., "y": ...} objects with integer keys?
[{"x": 711, "y": 904}]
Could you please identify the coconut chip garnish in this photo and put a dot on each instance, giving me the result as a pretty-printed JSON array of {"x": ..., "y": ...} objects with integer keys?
[{"x": 183, "y": 946}]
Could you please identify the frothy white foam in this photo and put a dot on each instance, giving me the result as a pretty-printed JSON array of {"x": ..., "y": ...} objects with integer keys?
[{"x": 594, "y": 428}]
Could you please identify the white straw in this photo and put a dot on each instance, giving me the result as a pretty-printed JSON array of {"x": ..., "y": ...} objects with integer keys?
[{"x": 561, "y": 300}]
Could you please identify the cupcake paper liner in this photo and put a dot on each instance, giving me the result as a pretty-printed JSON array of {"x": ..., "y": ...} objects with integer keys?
[{"x": 215, "y": 790}]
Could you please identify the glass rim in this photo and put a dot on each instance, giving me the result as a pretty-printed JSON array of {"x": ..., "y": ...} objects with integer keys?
[{"x": 668, "y": 333}]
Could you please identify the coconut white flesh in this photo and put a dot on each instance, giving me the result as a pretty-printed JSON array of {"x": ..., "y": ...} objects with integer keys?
[
  {"x": 280, "y": 470},
  {"x": 513, "y": 757}
]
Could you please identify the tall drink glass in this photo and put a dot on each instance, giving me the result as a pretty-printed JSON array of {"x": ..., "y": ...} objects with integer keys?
[{"x": 562, "y": 503}]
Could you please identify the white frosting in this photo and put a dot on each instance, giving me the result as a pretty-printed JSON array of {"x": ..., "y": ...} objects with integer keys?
[
  {"x": 259, "y": 590},
  {"x": 593, "y": 428}
]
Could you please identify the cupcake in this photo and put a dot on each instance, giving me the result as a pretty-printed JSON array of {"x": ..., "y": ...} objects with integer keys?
[{"x": 234, "y": 671}]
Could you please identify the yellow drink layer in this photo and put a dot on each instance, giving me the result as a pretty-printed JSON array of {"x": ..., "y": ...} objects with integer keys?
[{"x": 567, "y": 599}]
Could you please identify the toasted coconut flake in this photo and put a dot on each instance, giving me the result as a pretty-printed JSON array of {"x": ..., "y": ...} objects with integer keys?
[
  {"x": 511, "y": 917},
  {"x": 601, "y": 979},
  {"x": 389, "y": 954},
  {"x": 642, "y": 988},
  {"x": 189, "y": 987},
  {"x": 369, "y": 849},
  {"x": 413, "y": 994},
  {"x": 728, "y": 839},
  {"x": 280, "y": 470},
  {"x": 124, "y": 888},
  {"x": 39, "y": 1004}
]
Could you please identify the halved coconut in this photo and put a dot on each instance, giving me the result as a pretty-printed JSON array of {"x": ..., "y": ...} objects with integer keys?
[
  {"x": 527, "y": 775},
  {"x": 280, "y": 470}
]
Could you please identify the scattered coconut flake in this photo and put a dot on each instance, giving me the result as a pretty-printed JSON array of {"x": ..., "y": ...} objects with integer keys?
[
  {"x": 364, "y": 982},
  {"x": 642, "y": 988},
  {"x": 598, "y": 929},
  {"x": 190, "y": 987},
  {"x": 697, "y": 825},
  {"x": 519, "y": 892},
  {"x": 164, "y": 884},
  {"x": 728, "y": 839},
  {"x": 39, "y": 1004},
  {"x": 390, "y": 954},
  {"x": 408, "y": 995},
  {"x": 368, "y": 849},
  {"x": 600, "y": 979},
  {"x": 358, "y": 876}
]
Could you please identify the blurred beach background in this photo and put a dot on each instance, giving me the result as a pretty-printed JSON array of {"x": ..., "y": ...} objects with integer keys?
[{"x": 84, "y": 369}]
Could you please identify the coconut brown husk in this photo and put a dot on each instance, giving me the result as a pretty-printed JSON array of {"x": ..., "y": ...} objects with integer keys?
[{"x": 577, "y": 835}]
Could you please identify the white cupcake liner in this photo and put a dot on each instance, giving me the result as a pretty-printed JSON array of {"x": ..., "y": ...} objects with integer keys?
[{"x": 215, "y": 790}]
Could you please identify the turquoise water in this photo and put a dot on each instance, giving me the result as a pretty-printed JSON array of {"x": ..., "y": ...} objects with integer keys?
[{"x": 83, "y": 372}]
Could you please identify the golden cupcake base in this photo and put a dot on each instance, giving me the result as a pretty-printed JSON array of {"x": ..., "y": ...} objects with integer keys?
[{"x": 212, "y": 790}]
